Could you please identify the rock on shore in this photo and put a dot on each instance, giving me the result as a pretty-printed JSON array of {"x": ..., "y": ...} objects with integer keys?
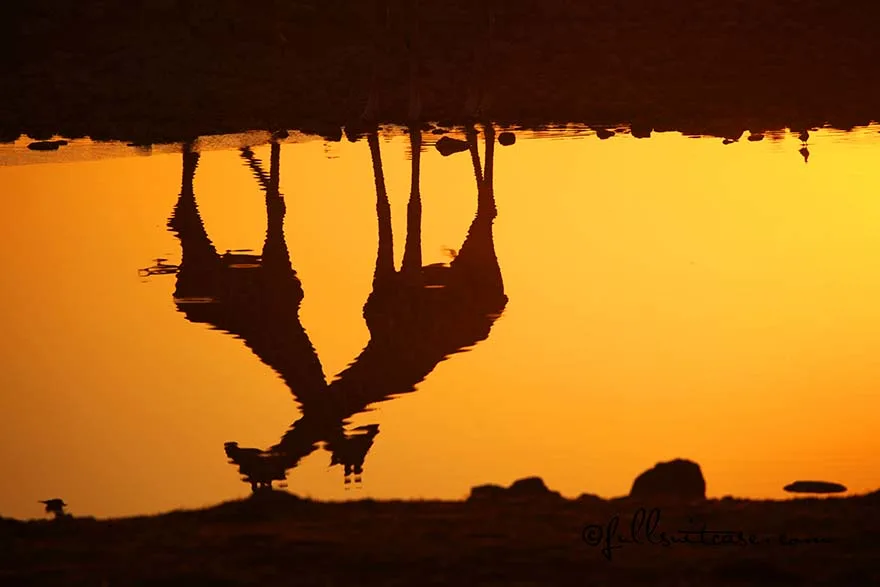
[
  {"x": 679, "y": 479},
  {"x": 814, "y": 487},
  {"x": 529, "y": 488}
]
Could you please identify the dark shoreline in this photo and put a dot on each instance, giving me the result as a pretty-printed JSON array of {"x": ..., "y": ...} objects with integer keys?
[
  {"x": 164, "y": 71},
  {"x": 279, "y": 539}
]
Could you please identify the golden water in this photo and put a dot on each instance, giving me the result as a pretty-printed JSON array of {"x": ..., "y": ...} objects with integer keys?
[{"x": 668, "y": 297}]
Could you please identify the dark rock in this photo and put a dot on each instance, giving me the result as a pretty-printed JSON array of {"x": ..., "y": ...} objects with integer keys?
[
  {"x": 641, "y": 131},
  {"x": 523, "y": 489},
  {"x": 332, "y": 134},
  {"x": 589, "y": 498},
  {"x": 353, "y": 132},
  {"x": 449, "y": 146},
  {"x": 754, "y": 137},
  {"x": 506, "y": 139},
  {"x": 678, "y": 479},
  {"x": 728, "y": 141},
  {"x": 46, "y": 145},
  {"x": 492, "y": 492},
  {"x": 814, "y": 487},
  {"x": 604, "y": 133},
  {"x": 531, "y": 487}
]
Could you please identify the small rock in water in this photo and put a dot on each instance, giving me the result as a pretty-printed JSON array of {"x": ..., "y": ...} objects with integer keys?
[
  {"x": 641, "y": 131},
  {"x": 448, "y": 146},
  {"x": 333, "y": 135},
  {"x": 814, "y": 487},
  {"x": 506, "y": 139},
  {"x": 604, "y": 133},
  {"x": 756, "y": 136},
  {"x": 46, "y": 145}
]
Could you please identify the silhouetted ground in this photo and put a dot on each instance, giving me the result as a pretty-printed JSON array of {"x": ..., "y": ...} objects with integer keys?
[
  {"x": 165, "y": 70},
  {"x": 282, "y": 540}
]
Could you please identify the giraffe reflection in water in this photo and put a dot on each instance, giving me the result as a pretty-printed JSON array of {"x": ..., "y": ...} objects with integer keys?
[{"x": 417, "y": 316}]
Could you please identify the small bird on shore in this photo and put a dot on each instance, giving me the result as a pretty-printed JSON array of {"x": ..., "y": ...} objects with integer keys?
[{"x": 55, "y": 506}]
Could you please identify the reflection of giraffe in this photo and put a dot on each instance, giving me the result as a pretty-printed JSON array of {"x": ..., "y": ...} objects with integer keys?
[
  {"x": 417, "y": 316},
  {"x": 255, "y": 298}
]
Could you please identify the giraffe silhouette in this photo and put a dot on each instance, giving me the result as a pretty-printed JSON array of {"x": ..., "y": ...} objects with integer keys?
[{"x": 417, "y": 316}]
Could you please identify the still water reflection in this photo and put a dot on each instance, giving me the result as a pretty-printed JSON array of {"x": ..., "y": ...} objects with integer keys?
[
  {"x": 417, "y": 316},
  {"x": 667, "y": 297}
]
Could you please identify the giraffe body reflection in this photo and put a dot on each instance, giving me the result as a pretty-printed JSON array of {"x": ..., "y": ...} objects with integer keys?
[{"x": 417, "y": 316}]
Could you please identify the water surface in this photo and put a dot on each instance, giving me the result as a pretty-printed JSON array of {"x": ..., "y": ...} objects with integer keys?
[{"x": 635, "y": 300}]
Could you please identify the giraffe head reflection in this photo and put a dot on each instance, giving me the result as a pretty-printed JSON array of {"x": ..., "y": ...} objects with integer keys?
[{"x": 417, "y": 316}]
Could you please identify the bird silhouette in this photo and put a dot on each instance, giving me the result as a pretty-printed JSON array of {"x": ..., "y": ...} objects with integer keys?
[{"x": 55, "y": 506}]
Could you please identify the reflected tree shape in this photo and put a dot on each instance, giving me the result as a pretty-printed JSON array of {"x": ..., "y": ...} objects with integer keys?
[{"x": 417, "y": 316}]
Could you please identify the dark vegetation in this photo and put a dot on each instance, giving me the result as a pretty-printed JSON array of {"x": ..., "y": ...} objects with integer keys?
[
  {"x": 277, "y": 539},
  {"x": 154, "y": 70}
]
